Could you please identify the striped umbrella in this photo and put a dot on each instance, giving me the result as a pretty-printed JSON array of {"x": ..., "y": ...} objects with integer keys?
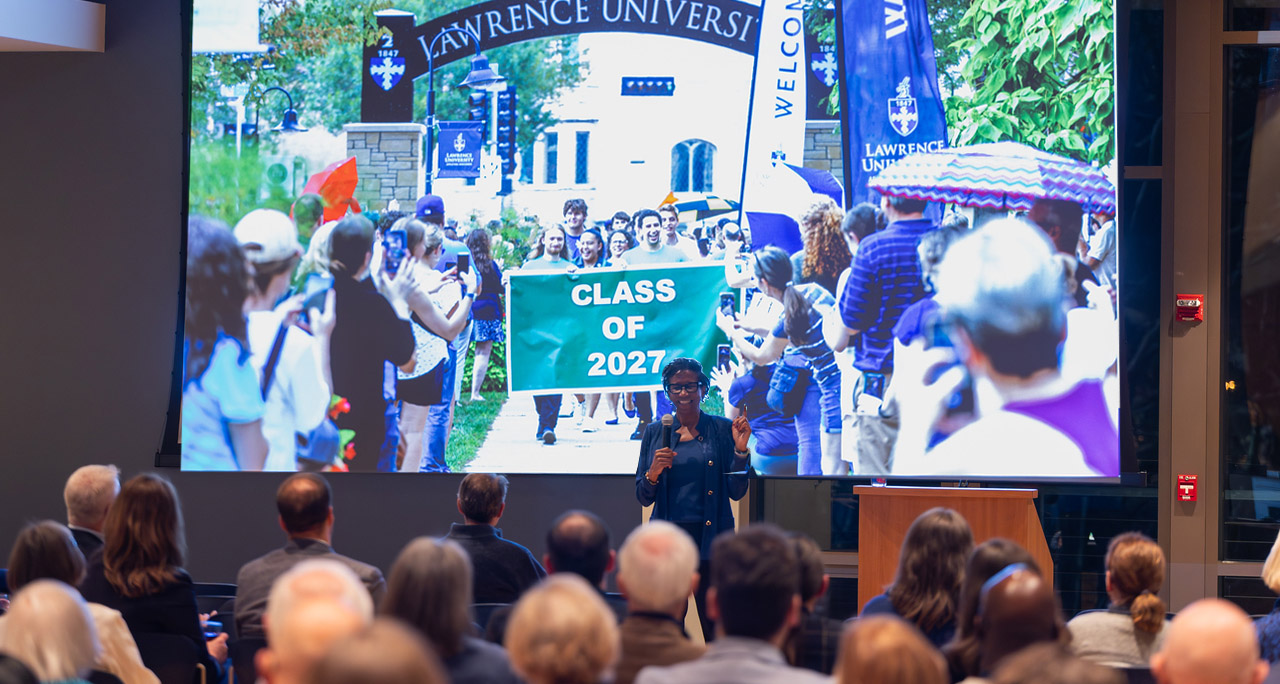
[
  {"x": 696, "y": 207},
  {"x": 1001, "y": 175}
]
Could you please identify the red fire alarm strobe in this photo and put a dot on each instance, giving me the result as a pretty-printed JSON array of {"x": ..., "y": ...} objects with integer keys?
[
  {"x": 1190, "y": 307},
  {"x": 1187, "y": 487}
]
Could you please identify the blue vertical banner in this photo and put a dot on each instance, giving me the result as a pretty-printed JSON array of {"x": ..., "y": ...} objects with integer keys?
[
  {"x": 890, "y": 105},
  {"x": 459, "y": 149}
]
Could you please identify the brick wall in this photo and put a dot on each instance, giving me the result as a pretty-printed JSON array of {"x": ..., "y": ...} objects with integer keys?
[
  {"x": 389, "y": 162},
  {"x": 822, "y": 148}
]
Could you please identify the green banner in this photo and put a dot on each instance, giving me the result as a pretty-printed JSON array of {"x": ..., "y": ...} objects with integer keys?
[{"x": 606, "y": 329}]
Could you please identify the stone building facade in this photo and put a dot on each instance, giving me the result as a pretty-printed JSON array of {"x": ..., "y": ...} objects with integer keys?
[{"x": 389, "y": 162}]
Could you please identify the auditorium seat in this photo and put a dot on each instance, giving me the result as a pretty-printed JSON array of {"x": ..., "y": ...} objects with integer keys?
[
  {"x": 100, "y": 677},
  {"x": 483, "y": 611},
  {"x": 173, "y": 658},
  {"x": 242, "y": 652},
  {"x": 1138, "y": 675}
]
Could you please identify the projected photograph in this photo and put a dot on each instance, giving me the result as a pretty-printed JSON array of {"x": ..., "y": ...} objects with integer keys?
[{"x": 559, "y": 236}]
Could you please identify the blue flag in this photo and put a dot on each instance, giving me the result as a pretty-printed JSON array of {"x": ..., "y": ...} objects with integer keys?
[
  {"x": 459, "y": 149},
  {"x": 890, "y": 106}
]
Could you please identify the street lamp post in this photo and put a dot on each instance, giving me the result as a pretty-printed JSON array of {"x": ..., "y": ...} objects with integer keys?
[
  {"x": 481, "y": 77},
  {"x": 289, "y": 124}
]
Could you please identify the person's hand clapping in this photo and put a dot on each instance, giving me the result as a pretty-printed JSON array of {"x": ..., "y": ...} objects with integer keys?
[{"x": 661, "y": 461}]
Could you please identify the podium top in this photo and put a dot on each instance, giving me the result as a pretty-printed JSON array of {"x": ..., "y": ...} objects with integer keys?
[{"x": 947, "y": 492}]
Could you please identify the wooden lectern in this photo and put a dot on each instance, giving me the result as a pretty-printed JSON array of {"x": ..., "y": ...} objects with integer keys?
[{"x": 885, "y": 513}]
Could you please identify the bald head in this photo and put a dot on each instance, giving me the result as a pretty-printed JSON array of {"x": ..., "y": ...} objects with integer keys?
[
  {"x": 578, "y": 542},
  {"x": 1210, "y": 642},
  {"x": 304, "y": 503},
  {"x": 1016, "y": 609}
]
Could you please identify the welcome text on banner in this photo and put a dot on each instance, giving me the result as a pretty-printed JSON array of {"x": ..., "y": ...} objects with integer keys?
[{"x": 605, "y": 330}]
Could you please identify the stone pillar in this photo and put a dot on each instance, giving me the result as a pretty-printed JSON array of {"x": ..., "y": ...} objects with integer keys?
[
  {"x": 389, "y": 161},
  {"x": 823, "y": 147}
]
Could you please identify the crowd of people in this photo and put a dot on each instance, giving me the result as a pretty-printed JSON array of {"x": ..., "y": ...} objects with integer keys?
[
  {"x": 472, "y": 606},
  {"x": 890, "y": 344}
]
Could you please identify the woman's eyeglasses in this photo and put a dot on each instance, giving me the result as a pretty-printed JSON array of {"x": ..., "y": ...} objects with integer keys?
[{"x": 687, "y": 387}]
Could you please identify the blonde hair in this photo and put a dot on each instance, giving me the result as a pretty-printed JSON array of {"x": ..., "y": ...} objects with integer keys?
[
  {"x": 89, "y": 493},
  {"x": 317, "y": 258},
  {"x": 887, "y": 650},
  {"x": 656, "y": 565},
  {"x": 561, "y": 632},
  {"x": 49, "y": 629},
  {"x": 1271, "y": 569}
]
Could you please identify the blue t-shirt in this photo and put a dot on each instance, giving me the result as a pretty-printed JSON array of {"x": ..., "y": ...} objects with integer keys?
[
  {"x": 775, "y": 435},
  {"x": 809, "y": 341},
  {"x": 227, "y": 392},
  {"x": 916, "y": 320}
]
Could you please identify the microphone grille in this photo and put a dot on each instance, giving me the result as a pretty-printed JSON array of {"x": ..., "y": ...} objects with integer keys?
[{"x": 667, "y": 420}]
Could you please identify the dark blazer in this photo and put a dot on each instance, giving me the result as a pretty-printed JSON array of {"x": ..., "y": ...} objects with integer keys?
[
  {"x": 89, "y": 541},
  {"x": 501, "y": 569},
  {"x": 653, "y": 639},
  {"x": 480, "y": 662},
  {"x": 172, "y": 610},
  {"x": 253, "y": 582},
  {"x": 721, "y": 486}
]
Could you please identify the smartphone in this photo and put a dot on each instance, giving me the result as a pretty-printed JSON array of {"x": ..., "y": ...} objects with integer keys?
[
  {"x": 464, "y": 263},
  {"x": 728, "y": 303},
  {"x": 873, "y": 384},
  {"x": 394, "y": 247},
  {"x": 723, "y": 357},
  {"x": 314, "y": 291},
  {"x": 212, "y": 629}
]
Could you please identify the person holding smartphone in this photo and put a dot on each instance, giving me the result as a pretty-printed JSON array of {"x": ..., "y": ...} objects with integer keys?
[
  {"x": 428, "y": 386},
  {"x": 691, "y": 469}
]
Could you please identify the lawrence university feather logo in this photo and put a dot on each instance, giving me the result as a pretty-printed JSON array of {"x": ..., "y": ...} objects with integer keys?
[{"x": 902, "y": 109}]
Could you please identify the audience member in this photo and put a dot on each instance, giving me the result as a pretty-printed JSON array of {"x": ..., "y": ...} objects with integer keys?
[
  {"x": 1268, "y": 626},
  {"x": 926, "y": 588},
  {"x": 89, "y": 493},
  {"x": 430, "y": 589},
  {"x": 46, "y": 551},
  {"x": 502, "y": 569},
  {"x": 987, "y": 559},
  {"x": 385, "y": 652},
  {"x": 657, "y": 572},
  {"x": 1050, "y": 663},
  {"x": 816, "y": 640},
  {"x": 578, "y": 542},
  {"x": 49, "y": 630},
  {"x": 139, "y": 571},
  {"x": 1210, "y": 641},
  {"x": 561, "y": 632},
  {"x": 883, "y": 649},
  {"x": 305, "y": 511},
  {"x": 755, "y": 601},
  {"x": 313, "y": 606},
  {"x": 1132, "y": 629},
  {"x": 1016, "y": 608}
]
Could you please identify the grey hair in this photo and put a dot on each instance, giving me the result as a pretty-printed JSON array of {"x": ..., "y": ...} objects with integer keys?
[
  {"x": 89, "y": 493},
  {"x": 656, "y": 565},
  {"x": 1004, "y": 286},
  {"x": 49, "y": 629},
  {"x": 318, "y": 578}
]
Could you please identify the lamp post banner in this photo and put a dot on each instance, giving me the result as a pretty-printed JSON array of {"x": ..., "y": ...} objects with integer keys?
[
  {"x": 459, "y": 149},
  {"x": 609, "y": 330}
]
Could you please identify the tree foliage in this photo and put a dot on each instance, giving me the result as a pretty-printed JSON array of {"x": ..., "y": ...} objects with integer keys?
[
  {"x": 1038, "y": 72},
  {"x": 317, "y": 56}
]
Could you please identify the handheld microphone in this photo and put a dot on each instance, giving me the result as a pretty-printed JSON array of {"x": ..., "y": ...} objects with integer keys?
[{"x": 667, "y": 421}]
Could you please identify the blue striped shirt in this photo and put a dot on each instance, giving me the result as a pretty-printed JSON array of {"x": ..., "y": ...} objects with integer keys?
[{"x": 884, "y": 281}]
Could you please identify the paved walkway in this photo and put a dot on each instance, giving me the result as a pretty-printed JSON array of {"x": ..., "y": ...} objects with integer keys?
[{"x": 511, "y": 448}]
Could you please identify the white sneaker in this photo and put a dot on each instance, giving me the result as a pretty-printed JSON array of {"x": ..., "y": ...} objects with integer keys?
[{"x": 591, "y": 425}]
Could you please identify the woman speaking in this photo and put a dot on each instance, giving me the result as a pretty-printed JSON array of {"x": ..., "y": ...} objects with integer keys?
[{"x": 691, "y": 474}]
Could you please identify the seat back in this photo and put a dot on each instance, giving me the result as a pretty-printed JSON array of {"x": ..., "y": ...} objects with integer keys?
[
  {"x": 1138, "y": 675},
  {"x": 174, "y": 659},
  {"x": 242, "y": 652},
  {"x": 483, "y": 611},
  {"x": 100, "y": 677},
  {"x": 12, "y": 671}
]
